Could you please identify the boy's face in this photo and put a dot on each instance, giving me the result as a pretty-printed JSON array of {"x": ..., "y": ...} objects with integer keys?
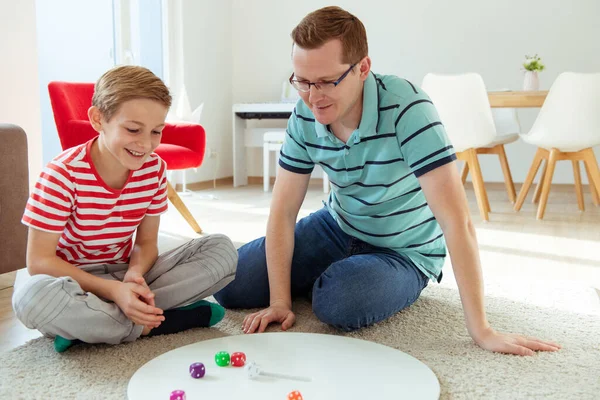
[
  {"x": 325, "y": 64},
  {"x": 133, "y": 132}
]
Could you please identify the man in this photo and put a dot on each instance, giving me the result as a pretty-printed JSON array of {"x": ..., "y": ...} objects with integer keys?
[{"x": 396, "y": 199}]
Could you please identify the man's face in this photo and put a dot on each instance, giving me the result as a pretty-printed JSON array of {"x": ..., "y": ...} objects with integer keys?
[
  {"x": 134, "y": 131},
  {"x": 324, "y": 64}
]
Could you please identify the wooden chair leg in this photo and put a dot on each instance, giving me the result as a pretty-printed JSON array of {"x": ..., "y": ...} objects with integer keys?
[
  {"x": 465, "y": 172},
  {"x": 593, "y": 189},
  {"x": 540, "y": 185},
  {"x": 535, "y": 165},
  {"x": 547, "y": 183},
  {"x": 592, "y": 167},
  {"x": 181, "y": 207},
  {"x": 578, "y": 187},
  {"x": 508, "y": 180},
  {"x": 478, "y": 184}
]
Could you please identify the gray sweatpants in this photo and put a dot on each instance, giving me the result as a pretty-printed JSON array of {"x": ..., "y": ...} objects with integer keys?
[{"x": 184, "y": 275}]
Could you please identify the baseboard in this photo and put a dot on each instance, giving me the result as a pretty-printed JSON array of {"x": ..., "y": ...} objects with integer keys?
[
  {"x": 258, "y": 180},
  {"x": 204, "y": 185}
]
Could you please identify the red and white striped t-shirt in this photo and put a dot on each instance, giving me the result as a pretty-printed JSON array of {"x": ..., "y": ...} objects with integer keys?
[{"x": 97, "y": 222}]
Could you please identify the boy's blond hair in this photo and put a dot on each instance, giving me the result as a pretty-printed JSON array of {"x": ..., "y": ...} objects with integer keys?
[
  {"x": 329, "y": 23},
  {"x": 128, "y": 82}
]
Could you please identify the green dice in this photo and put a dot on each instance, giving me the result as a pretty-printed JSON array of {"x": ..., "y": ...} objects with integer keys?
[{"x": 222, "y": 358}]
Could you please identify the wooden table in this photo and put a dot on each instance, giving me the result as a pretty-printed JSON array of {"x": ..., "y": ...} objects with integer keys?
[{"x": 517, "y": 99}]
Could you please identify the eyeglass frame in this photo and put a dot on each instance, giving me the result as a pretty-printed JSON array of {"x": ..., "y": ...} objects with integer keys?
[{"x": 335, "y": 83}]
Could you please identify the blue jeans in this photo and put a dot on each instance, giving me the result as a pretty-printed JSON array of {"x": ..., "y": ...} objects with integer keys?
[{"x": 352, "y": 283}]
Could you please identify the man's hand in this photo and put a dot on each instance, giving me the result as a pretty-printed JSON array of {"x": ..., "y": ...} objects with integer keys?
[
  {"x": 510, "y": 343},
  {"x": 277, "y": 312},
  {"x": 136, "y": 277},
  {"x": 128, "y": 295}
]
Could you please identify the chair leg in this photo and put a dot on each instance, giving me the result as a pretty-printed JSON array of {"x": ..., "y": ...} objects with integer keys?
[
  {"x": 538, "y": 189},
  {"x": 592, "y": 166},
  {"x": 578, "y": 187},
  {"x": 181, "y": 207},
  {"x": 593, "y": 188},
  {"x": 537, "y": 159},
  {"x": 547, "y": 183},
  {"x": 325, "y": 182},
  {"x": 508, "y": 180},
  {"x": 465, "y": 172},
  {"x": 266, "y": 172},
  {"x": 478, "y": 185}
]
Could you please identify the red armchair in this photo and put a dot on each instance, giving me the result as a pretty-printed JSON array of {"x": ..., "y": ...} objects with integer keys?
[{"x": 182, "y": 145}]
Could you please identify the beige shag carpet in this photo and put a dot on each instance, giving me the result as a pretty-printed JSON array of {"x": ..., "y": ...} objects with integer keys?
[{"x": 432, "y": 330}]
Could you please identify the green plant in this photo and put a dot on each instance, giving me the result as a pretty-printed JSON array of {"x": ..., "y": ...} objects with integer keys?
[{"x": 533, "y": 63}]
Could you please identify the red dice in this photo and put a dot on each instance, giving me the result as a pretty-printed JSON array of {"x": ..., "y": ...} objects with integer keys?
[
  {"x": 238, "y": 359},
  {"x": 295, "y": 395}
]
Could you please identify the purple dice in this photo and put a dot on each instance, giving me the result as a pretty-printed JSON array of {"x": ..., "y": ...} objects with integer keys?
[
  {"x": 197, "y": 370},
  {"x": 177, "y": 395}
]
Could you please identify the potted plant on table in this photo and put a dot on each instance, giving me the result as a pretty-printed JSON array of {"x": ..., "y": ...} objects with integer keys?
[{"x": 532, "y": 66}]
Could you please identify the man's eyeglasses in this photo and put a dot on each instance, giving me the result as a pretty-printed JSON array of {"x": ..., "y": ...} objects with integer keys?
[{"x": 304, "y": 86}]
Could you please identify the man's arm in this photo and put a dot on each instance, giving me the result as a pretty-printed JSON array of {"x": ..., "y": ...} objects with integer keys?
[
  {"x": 446, "y": 198},
  {"x": 288, "y": 195}
]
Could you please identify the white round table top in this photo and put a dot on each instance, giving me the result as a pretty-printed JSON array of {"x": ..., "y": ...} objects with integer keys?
[{"x": 339, "y": 368}]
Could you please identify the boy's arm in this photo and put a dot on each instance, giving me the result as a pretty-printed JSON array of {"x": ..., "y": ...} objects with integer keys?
[
  {"x": 42, "y": 259},
  {"x": 446, "y": 198},
  {"x": 145, "y": 248}
]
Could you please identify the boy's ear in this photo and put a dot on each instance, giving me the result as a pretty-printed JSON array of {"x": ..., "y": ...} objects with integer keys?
[{"x": 95, "y": 117}]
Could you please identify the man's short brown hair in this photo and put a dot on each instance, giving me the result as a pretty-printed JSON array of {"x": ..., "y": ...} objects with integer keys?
[
  {"x": 128, "y": 82},
  {"x": 329, "y": 23}
]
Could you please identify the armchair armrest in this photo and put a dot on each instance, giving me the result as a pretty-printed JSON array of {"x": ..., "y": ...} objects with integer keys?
[{"x": 188, "y": 135}]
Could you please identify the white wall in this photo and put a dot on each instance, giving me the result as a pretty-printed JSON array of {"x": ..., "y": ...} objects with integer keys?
[
  {"x": 19, "y": 96},
  {"x": 207, "y": 65},
  {"x": 411, "y": 39}
]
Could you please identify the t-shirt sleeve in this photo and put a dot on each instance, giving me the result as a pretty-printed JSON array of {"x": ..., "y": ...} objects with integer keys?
[
  {"x": 51, "y": 201},
  {"x": 159, "y": 204},
  {"x": 294, "y": 155},
  {"x": 422, "y": 137}
]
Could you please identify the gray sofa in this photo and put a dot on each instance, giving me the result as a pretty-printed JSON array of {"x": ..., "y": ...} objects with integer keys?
[{"x": 14, "y": 190}]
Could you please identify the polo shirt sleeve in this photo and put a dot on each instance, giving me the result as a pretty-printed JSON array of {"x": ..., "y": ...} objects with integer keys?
[
  {"x": 294, "y": 155},
  {"x": 422, "y": 137}
]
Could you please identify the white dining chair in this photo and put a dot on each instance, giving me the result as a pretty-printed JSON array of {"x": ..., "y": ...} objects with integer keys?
[
  {"x": 567, "y": 128},
  {"x": 273, "y": 141},
  {"x": 464, "y": 108}
]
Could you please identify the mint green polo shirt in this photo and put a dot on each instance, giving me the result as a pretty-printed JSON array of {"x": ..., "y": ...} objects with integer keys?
[{"x": 375, "y": 194}]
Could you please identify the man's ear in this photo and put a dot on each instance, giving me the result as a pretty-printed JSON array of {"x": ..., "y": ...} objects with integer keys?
[
  {"x": 365, "y": 67},
  {"x": 95, "y": 117}
]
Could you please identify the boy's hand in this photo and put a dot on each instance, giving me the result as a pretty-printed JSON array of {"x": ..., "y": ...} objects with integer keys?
[
  {"x": 513, "y": 344},
  {"x": 136, "y": 277},
  {"x": 128, "y": 297}
]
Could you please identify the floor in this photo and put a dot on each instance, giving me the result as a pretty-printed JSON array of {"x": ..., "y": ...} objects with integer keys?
[{"x": 513, "y": 246}]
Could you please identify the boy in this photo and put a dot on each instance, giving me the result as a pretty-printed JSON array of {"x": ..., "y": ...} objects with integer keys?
[
  {"x": 396, "y": 199},
  {"x": 91, "y": 280}
]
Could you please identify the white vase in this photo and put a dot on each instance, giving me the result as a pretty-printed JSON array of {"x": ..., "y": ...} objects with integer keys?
[{"x": 531, "y": 81}]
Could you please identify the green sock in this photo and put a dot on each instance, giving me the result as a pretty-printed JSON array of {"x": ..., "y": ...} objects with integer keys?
[
  {"x": 217, "y": 312},
  {"x": 61, "y": 344}
]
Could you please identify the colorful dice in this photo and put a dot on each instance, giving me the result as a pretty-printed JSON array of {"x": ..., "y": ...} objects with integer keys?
[
  {"x": 177, "y": 395},
  {"x": 238, "y": 359},
  {"x": 197, "y": 370},
  {"x": 222, "y": 358},
  {"x": 295, "y": 395}
]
